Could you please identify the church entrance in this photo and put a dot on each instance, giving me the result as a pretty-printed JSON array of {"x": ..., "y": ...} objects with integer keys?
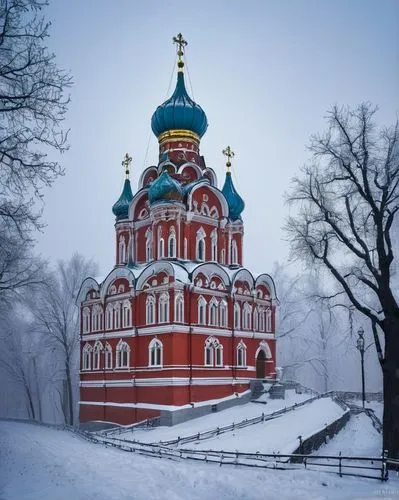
[{"x": 260, "y": 364}]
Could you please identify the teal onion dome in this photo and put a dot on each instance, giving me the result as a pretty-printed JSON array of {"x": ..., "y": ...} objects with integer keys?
[
  {"x": 179, "y": 112},
  {"x": 121, "y": 207},
  {"x": 165, "y": 189},
  {"x": 234, "y": 201}
]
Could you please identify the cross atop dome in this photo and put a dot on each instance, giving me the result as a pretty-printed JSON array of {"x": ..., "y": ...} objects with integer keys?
[
  {"x": 127, "y": 160},
  {"x": 229, "y": 153},
  {"x": 180, "y": 43}
]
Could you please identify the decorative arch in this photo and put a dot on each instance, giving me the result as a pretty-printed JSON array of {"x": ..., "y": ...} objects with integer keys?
[
  {"x": 146, "y": 174},
  {"x": 153, "y": 269},
  {"x": 264, "y": 346},
  {"x": 141, "y": 197},
  {"x": 192, "y": 165},
  {"x": 117, "y": 272},
  {"x": 244, "y": 275},
  {"x": 87, "y": 285},
  {"x": 219, "y": 195},
  {"x": 211, "y": 270},
  {"x": 268, "y": 281},
  {"x": 210, "y": 174}
]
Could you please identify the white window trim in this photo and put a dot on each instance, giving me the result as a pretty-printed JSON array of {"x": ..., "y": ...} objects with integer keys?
[{"x": 155, "y": 344}]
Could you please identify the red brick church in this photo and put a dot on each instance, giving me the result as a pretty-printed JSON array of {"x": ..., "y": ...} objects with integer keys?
[{"x": 178, "y": 320}]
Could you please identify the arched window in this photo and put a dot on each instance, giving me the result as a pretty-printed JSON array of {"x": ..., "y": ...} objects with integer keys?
[
  {"x": 126, "y": 314},
  {"x": 86, "y": 357},
  {"x": 155, "y": 353},
  {"x": 161, "y": 250},
  {"x": 172, "y": 243},
  {"x": 213, "y": 352},
  {"x": 241, "y": 354},
  {"x": 213, "y": 312},
  {"x": 261, "y": 319},
  {"x": 179, "y": 307},
  {"x": 122, "y": 250},
  {"x": 269, "y": 320},
  {"x": 234, "y": 252},
  {"x": 246, "y": 316},
  {"x": 148, "y": 245},
  {"x": 109, "y": 317},
  {"x": 223, "y": 314},
  {"x": 98, "y": 347},
  {"x": 163, "y": 308},
  {"x": 255, "y": 319},
  {"x": 214, "y": 245},
  {"x": 86, "y": 320},
  {"x": 117, "y": 315},
  {"x": 122, "y": 355},
  {"x": 150, "y": 309},
  {"x": 97, "y": 318},
  {"x": 121, "y": 289},
  {"x": 201, "y": 311},
  {"x": 108, "y": 356},
  {"x": 237, "y": 316},
  {"x": 200, "y": 244},
  {"x": 223, "y": 256}
]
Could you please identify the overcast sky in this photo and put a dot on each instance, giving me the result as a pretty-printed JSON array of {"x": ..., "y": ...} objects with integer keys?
[{"x": 265, "y": 72}]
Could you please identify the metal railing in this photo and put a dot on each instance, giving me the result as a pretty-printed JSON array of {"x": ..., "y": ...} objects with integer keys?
[
  {"x": 368, "y": 467},
  {"x": 200, "y": 436}
]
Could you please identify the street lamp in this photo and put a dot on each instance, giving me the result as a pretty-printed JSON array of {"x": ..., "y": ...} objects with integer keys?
[{"x": 360, "y": 346}]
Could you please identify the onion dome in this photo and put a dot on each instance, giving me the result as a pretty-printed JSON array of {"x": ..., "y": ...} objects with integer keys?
[
  {"x": 234, "y": 201},
  {"x": 121, "y": 207},
  {"x": 179, "y": 112},
  {"x": 165, "y": 189}
]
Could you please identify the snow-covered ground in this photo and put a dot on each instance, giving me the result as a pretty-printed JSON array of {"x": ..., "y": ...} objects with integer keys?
[
  {"x": 279, "y": 435},
  {"x": 38, "y": 463},
  {"x": 358, "y": 437},
  {"x": 211, "y": 421}
]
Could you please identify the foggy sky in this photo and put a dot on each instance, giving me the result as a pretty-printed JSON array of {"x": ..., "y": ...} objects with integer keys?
[{"x": 265, "y": 72}]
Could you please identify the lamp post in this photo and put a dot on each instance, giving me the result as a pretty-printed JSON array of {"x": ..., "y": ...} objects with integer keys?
[{"x": 360, "y": 347}]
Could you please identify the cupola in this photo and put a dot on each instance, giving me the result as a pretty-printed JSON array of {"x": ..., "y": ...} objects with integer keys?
[
  {"x": 234, "y": 201},
  {"x": 165, "y": 189},
  {"x": 121, "y": 207},
  {"x": 179, "y": 114}
]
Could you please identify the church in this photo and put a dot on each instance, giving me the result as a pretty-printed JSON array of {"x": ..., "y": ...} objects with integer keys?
[{"x": 179, "y": 321}]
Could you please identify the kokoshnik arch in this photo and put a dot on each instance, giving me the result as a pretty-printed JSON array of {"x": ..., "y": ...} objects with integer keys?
[{"x": 178, "y": 320}]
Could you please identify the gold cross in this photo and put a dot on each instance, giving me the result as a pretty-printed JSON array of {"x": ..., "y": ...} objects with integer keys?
[
  {"x": 229, "y": 153},
  {"x": 180, "y": 43},
  {"x": 127, "y": 160}
]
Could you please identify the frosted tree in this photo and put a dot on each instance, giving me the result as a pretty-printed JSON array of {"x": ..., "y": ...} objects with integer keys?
[
  {"x": 348, "y": 199},
  {"x": 57, "y": 318}
]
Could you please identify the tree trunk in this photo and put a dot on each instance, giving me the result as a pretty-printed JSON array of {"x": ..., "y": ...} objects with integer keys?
[
  {"x": 69, "y": 393},
  {"x": 391, "y": 387}
]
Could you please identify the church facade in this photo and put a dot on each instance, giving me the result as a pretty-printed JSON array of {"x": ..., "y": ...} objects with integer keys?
[{"x": 178, "y": 321}]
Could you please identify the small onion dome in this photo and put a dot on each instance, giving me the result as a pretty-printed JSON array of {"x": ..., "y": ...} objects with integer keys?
[
  {"x": 121, "y": 207},
  {"x": 179, "y": 112},
  {"x": 165, "y": 188},
  {"x": 234, "y": 201}
]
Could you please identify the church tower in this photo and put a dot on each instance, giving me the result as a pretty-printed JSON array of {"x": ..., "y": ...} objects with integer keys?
[{"x": 178, "y": 321}]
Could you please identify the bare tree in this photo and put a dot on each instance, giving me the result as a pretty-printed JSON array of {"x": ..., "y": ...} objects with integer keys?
[
  {"x": 57, "y": 318},
  {"x": 19, "y": 268},
  {"x": 18, "y": 361},
  {"x": 348, "y": 199}
]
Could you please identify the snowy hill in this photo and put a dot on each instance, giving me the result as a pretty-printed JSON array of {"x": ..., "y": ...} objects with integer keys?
[{"x": 40, "y": 463}]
